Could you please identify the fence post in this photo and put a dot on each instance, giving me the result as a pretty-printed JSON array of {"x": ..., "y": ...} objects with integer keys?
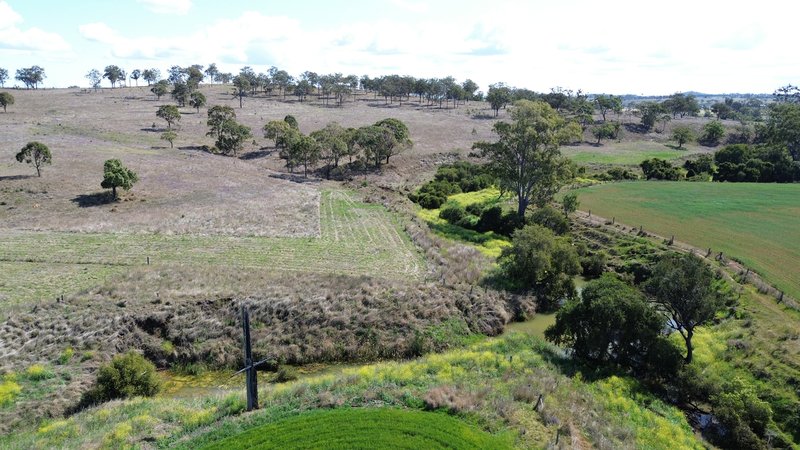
[{"x": 250, "y": 370}]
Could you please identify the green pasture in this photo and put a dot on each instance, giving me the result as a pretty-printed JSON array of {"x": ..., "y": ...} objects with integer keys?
[
  {"x": 629, "y": 153},
  {"x": 755, "y": 223}
]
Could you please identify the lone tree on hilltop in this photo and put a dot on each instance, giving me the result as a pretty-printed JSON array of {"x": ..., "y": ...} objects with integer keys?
[
  {"x": 241, "y": 87},
  {"x": 135, "y": 75},
  {"x": 6, "y": 99},
  {"x": 114, "y": 74},
  {"x": 170, "y": 113},
  {"x": 3, "y": 76},
  {"x": 94, "y": 78},
  {"x": 682, "y": 288},
  {"x": 115, "y": 175},
  {"x": 499, "y": 96},
  {"x": 526, "y": 158},
  {"x": 37, "y": 154},
  {"x": 151, "y": 75}
]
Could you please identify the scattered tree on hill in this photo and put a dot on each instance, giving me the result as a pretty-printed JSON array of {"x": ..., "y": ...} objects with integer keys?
[
  {"x": 606, "y": 103},
  {"x": 712, "y": 134},
  {"x": 650, "y": 112},
  {"x": 374, "y": 142},
  {"x": 612, "y": 322},
  {"x": 31, "y": 77},
  {"x": 241, "y": 87},
  {"x": 135, "y": 75},
  {"x": 170, "y": 113},
  {"x": 197, "y": 100},
  {"x": 6, "y": 99},
  {"x": 217, "y": 116},
  {"x": 232, "y": 136},
  {"x": 151, "y": 76},
  {"x": 37, "y": 154},
  {"x": 682, "y": 287},
  {"x": 682, "y": 134},
  {"x": 333, "y": 145},
  {"x": 170, "y": 137},
  {"x": 542, "y": 262},
  {"x": 194, "y": 76},
  {"x": 180, "y": 93},
  {"x": 160, "y": 89},
  {"x": 305, "y": 151},
  {"x": 3, "y": 76},
  {"x": 176, "y": 74},
  {"x": 681, "y": 104},
  {"x": 212, "y": 72},
  {"x": 277, "y": 130},
  {"x": 94, "y": 78},
  {"x": 659, "y": 169},
  {"x": 787, "y": 94},
  {"x": 114, "y": 74},
  {"x": 499, "y": 96},
  {"x": 526, "y": 159},
  {"x": 401, "y": 141},
  {"x": 115, "y": 175},
  {"x": 604, "y": 131}
]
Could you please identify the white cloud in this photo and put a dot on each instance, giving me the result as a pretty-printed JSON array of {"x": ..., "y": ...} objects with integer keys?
[
  {"x": 180, "y": 7},
  {"x": 31, "y": 39}
]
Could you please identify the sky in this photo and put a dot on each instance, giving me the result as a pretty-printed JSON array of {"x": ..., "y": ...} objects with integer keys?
[{"x": 614, "y": 47}]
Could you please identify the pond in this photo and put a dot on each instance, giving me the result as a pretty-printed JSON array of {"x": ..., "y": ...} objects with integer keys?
[{"x": 540, "y": 321}]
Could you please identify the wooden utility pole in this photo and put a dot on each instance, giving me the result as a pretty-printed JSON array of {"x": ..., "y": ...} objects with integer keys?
[{"x": 249, "y": 367}]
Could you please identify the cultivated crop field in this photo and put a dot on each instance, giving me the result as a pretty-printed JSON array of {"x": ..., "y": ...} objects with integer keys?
[
  {"x": 755, "y": 223},
  {"x": 355, "y": 239}
]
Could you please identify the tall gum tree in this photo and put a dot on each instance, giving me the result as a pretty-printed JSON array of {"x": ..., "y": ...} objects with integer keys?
[{"x": 526, "y": 157}]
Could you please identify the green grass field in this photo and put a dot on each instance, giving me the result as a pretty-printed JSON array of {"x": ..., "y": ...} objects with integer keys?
[
  {"x": 754, "y": 223},
  {"x": 360, "y": 428},
  {"x": 626, "y": 152},
  {"x": 355, "y": 238}
]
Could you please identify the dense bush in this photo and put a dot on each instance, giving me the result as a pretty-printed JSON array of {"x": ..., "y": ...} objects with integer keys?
[
  {"x": 703, "y": 166},
  {"x": 494, "y": 219},
  {"x": 452, "y": 212},
  {"x": 449, "y": 180},
  {"x": 551, "y": 218},
  {"x": 712, "y": 133},
  {"x": 593, "y": 264},
  {"x": 542, "y": 263},
  {"x": 765, "y": 164},
  {"x": 659, "y": 169},
  {"x": 617, "y": 174},
  {"x": 128, "y": 375}
]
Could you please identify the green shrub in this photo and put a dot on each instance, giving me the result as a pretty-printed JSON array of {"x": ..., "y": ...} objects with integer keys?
[
  {"x": 593, "y": 264},
  {"x": 128, "y": 375},
  {"x": 452, "y": 212},
  {"x": 469, "y": 221},
  {"x": 660, "y": 169},
  {"x": 284, "y": 374},
  {"x": 66, "y": 355},
  {"x": 38, "y": 372},
  {"x": 494, "y": 219},
  {"x": 551, "y": 218}
]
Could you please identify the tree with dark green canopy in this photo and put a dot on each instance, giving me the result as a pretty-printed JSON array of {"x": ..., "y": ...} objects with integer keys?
[
  {"x": 681, "y": 286},
  {"x": 115, "y": 175},
  {"x": 612, "y": 322},
  {"x": 37, "y": 154},
  {"x": 218, "y": 115},
  {"x": 197, "y": 100}
]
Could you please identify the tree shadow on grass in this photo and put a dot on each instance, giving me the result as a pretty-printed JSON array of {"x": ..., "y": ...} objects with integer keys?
[
  {"x": 256, "y": 154},
  {"x": 675, "y": 147},
  {"x": 15, "y": 177},
  {"x": 636, "y": 128},
  {"x": 96, "y": 199}
]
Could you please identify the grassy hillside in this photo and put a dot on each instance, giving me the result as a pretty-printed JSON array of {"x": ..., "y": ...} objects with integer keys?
[
  {"x": 755, "y": 223},
  {"x": 493, "y": 385}
]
